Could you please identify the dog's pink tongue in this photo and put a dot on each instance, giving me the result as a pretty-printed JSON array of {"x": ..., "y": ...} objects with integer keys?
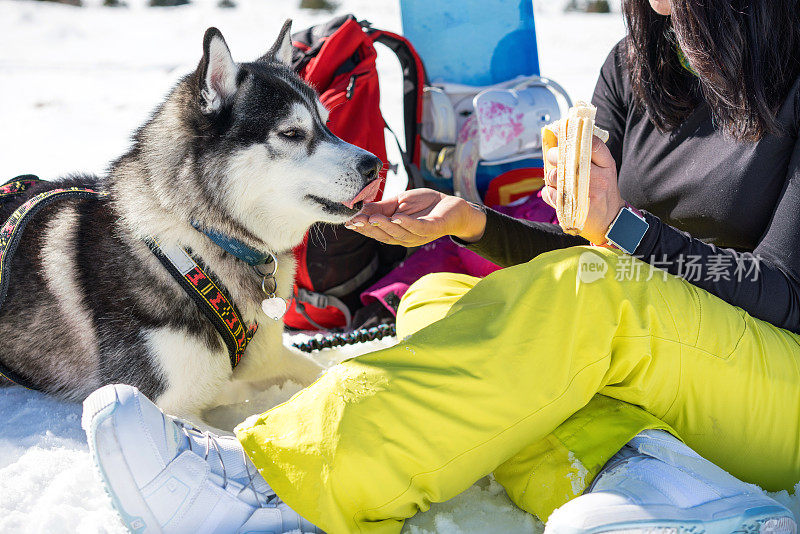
[{"x": 368, "y": 194}]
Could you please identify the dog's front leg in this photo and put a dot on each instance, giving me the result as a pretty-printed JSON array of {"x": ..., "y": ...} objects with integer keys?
[
  {"x": 295, "y": 366},
  {"x": 268, "y": 361},
  {"x": 278, "y": 367},
  {"x": 192, "y": 373},
  {"x": 273, "y": 363}
]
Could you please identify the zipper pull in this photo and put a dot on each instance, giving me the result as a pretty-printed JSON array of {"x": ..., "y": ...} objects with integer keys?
[{"x": 351, "y": 87}]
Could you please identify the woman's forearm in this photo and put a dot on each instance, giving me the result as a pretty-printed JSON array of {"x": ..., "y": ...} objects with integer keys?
[
  {"x": 750, "y": 281},
  {"x": 507, "y": 241},
  {"x": 473, "y": 224}
]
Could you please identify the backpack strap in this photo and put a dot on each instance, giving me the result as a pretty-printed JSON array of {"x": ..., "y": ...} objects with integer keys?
[
  {"x": 414, "y": 81},
  {"x": 321, "y": 301},
  {"x": 413, "y": 170},
  {"x": 331, "y": 296},
  {"x": 209, "y": 295},
  {"x": 12, "y": 230}
]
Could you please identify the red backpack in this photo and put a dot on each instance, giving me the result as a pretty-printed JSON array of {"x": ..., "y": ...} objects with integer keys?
[{"x": 335, "y": 265}]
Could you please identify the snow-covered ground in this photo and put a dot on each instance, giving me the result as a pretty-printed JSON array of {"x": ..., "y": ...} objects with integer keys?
[{"x": 73, "y": 84}]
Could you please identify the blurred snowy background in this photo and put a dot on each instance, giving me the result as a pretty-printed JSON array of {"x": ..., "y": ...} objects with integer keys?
[{"x": 74, "y": 83}]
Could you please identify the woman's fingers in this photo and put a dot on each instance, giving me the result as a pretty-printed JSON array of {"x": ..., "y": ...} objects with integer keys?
[
  {"x": 605, "y": 200},
  {"x": 601, "y": 155},
  {"x": 408, "y": 219},
  {"x": 552, "y": 178},
  {"x": 384, "y": 207},
  {"x": 389, "y": 231},
  {"x": 549, "y": 195},
  {"x": 359, "y": 221},
  {"x": 375, "y": 232},
  {"x": 552, "y": 156},
  {"x": 394, "y": 230},
  {"x": 419, "y": 227}
]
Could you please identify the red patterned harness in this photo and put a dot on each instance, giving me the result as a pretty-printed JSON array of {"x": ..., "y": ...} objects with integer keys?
[
  {"x": 199, "y": 283},
  {"x": 209, "y": 296}
]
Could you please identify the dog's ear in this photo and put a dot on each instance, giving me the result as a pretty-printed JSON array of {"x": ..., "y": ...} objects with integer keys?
[
  {"x": 281, "y": 51},
  {"x": 217, "y": 72}
]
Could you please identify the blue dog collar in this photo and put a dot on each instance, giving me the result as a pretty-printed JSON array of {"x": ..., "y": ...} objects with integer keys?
[{"x": 235, "y": 247}]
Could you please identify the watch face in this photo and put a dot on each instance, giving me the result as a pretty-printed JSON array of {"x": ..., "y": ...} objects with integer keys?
[{"x": 627, "y": 231}]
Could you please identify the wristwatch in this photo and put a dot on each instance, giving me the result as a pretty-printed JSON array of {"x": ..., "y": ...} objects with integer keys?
[{"x": 627, "y": 230}]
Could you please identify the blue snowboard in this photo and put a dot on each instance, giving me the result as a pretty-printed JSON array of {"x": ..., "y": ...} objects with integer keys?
[{"x": 473, "y": 42}]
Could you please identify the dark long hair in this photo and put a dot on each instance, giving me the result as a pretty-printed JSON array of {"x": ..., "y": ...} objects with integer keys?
[{"x": 746, "y": 54}]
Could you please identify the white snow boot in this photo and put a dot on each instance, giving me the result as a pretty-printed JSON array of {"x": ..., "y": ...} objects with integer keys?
[
  {"x": 164, "y": 475},
  {"x": 658, "y": 485}
]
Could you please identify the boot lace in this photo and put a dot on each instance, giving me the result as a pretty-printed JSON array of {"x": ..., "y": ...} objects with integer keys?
[{"x": 190, "y": 430}]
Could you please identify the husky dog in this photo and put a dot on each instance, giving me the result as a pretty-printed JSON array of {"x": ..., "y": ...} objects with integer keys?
[{"x": 242, "y": 149}]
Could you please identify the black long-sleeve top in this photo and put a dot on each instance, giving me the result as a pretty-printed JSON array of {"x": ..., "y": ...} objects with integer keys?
[{"x": 728, "y": 208}]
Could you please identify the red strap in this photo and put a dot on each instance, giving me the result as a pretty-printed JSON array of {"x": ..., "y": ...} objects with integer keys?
[{"x": 386, "y": 37}]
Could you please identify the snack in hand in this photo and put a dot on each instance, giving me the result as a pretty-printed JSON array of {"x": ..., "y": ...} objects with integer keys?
[{"x": 573, "y": 137}]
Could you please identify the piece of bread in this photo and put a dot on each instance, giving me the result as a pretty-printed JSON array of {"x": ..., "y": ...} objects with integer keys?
[{"x": 573, "y": 136}]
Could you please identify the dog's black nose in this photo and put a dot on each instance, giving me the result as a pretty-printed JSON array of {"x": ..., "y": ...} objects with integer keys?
[{"x": 369, "y": 166}]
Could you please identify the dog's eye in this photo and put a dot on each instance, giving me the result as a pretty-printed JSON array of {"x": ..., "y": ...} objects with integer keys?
[{"x": 294, "y": 135}]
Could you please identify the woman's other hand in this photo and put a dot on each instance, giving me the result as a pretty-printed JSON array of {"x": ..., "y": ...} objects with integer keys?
[
  {"x": 604, "y": 197},
  {"x": 419, "y": 216}
]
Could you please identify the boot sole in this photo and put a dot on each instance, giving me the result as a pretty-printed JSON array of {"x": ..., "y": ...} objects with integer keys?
[
  {"x": 98, "y": 410},
  {"x": 756, "y": 521},
  {"x": 783, "y": 525},
  {"x": 738, "y": 515}
]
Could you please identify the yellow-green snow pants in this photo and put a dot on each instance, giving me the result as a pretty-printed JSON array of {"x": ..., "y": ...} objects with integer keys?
[{"x": 538, "y": 373}]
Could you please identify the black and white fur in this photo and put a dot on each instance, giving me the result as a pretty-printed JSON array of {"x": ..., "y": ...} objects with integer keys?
[{"x": 239, "y": 148}]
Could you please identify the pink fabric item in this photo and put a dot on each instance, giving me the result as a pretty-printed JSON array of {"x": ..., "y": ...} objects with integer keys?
[{"x": 445, "y": 256}]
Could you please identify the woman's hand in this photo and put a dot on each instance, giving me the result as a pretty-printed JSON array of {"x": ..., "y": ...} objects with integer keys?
[
  {"x": 604, "y": 198},
  {"x": 417, "y": 217}
]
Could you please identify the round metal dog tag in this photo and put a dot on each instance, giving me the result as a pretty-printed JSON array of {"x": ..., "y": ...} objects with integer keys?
[{"x": 274, "y": 308}]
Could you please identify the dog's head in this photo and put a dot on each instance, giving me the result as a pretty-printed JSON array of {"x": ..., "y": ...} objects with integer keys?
[{"x": 264, "y": 146}]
